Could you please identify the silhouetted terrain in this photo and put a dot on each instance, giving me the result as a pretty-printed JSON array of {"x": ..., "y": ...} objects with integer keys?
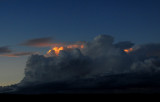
[{"x": 122, "y": 83}]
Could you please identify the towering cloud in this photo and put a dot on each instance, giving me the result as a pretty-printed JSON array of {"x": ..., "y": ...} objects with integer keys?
[
  {"x": 99, "y": 57},
  {"x": 68, "y": 66}
]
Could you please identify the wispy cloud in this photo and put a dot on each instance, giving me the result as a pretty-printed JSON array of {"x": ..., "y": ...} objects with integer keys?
[
  {"x": 47, "y": 42},
  {"x": 4, "y": 49},
  {"x": 18, "y": 54},
  {"x": 38, "y": 42}
]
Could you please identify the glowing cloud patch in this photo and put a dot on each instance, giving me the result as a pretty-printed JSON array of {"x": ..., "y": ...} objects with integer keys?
[
  {"x": 128, "y": 50},
  {"x": 56, "y": 50}
]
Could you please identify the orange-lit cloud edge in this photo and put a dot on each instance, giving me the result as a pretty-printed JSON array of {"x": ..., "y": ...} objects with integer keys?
[
  {"x": 57, "y": 50},
  {"x": 128, "y": 50}
]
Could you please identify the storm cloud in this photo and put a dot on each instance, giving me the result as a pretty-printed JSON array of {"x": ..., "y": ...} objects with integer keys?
[
  {"x": 147, "y": 50},
  {"x": 99, "y": 57}
]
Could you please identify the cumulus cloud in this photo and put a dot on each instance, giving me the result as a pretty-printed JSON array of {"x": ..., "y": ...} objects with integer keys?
[
  {"x": 46, "y": 69},
  {"x": 39, "y": 42},
  {"x": 5, "y": 49},
  {"x": 147, "y": 50},
  {"x": 100, "y": 57},
  {"x": 97, "y": 58}
]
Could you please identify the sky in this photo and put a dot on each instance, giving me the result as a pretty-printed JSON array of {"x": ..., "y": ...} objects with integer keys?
[{"x": 71, "y": 20}]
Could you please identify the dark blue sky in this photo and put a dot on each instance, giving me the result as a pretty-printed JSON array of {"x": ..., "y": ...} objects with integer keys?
[{"x": 73, "y": 20}]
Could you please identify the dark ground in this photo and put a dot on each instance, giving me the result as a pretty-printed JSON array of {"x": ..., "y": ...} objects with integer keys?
[{"x": 132, "y": 83}]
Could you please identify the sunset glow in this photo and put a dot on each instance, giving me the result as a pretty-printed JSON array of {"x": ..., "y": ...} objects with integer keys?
[
  {"x": 58, "y": 49},
  {"x": 128, "y": 50}
]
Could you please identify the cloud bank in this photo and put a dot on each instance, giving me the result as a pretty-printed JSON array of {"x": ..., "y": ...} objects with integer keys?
[
  {"x": 99, "y": 57},
  {"x": 147, "y": 50}
]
